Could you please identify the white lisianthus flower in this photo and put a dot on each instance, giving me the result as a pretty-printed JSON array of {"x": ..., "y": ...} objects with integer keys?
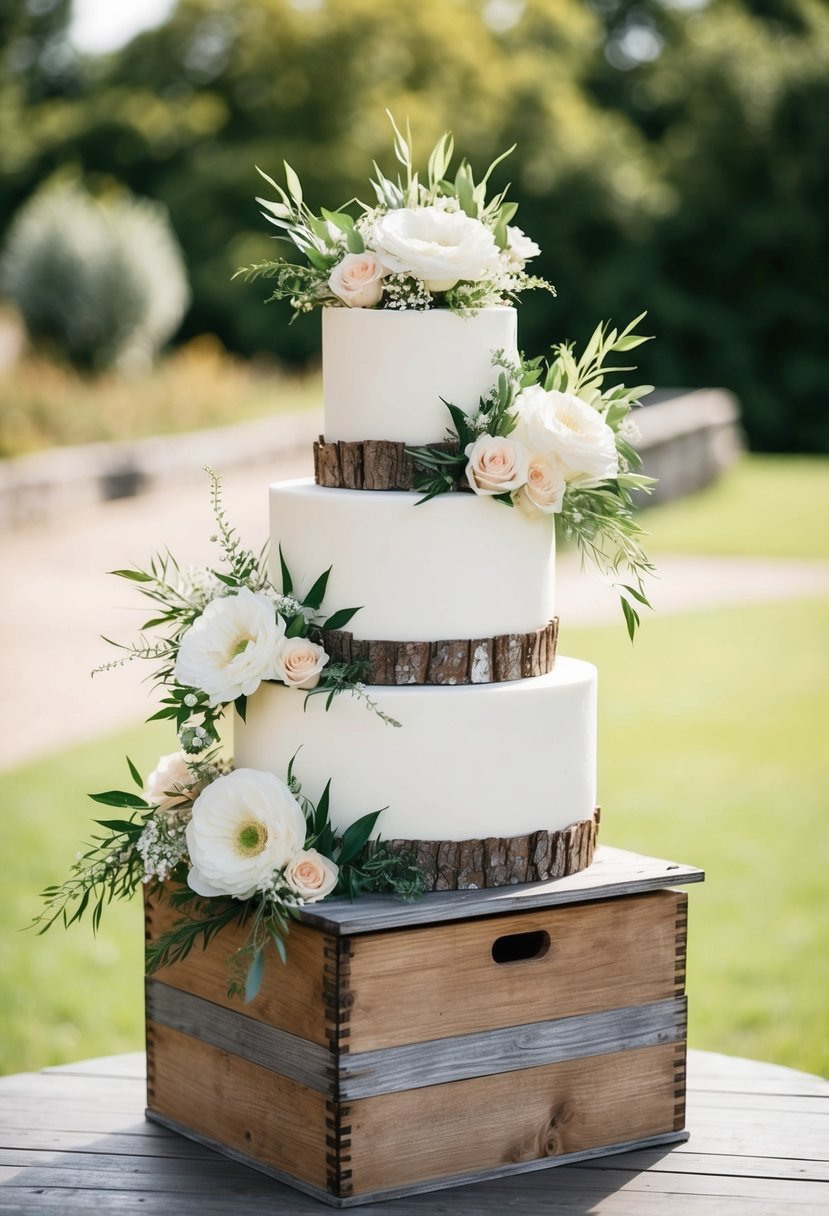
[
  {"x": 245, "y": 825},
  {"x": 440, "y": 247},
  {"x": 231, "y": 647},
  {"x": 171, "y": 783},
  {"x": 299, "y": 663},
  {"x": 311, "y": 875},
  {"x": 571, "y": 431},
  {"x": 543, "y": 492},
  {"x": 358, "y": 280},
  {"x": 520, "y": 248},
  {"x": 496, "y": 464}
]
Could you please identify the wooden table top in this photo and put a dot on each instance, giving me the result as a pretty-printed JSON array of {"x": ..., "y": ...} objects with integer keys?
[{"x": 74, "y": 1140}]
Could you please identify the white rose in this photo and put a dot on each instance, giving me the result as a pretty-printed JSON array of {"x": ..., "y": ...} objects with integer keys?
[
  {"x": 519, "y": 247},
  {"x": 439, "y": 247},
  {"x": 299, "y": 663},
  {"x": 311, "y": 875},
  {"x": 571, "y": 431},
  {"x": 358, "y": 280},
  {"x": 544, "y": 489},
  {"x": 171, "y": 783},
  {"x": 496, "y": 465},
  {"x": 231, "y": 647},
  {"x": 244, "y": 826}
]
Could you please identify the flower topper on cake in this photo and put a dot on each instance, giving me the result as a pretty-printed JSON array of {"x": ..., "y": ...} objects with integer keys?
[
  {"x": 552, "y": 440},
  {"x": 228, "y": 846},
  {"x": 438, "y": 242}
]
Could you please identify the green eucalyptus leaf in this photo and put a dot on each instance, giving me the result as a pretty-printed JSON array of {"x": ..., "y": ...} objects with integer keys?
[
  {"x": 253, "y": 981},
  {"x": 287, "y": 582},
  {"x": 340, "y": 618},
  {"x": 316, "y": 595},
  {"x": 120, "y": 798},
  {"x": 356, "y": 836}
]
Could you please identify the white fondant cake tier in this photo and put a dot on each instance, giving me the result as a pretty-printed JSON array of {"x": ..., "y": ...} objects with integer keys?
[
  {"x": 466, "y": 763},
  {"x": 384, "y": 371},
  {"x": 458, "y": 566}
]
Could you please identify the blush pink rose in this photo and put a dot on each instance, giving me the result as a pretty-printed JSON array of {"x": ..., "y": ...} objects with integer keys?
[
  {"x": 311, "y": 875},
  {"x": 299, "y": 663},
  {"x": 545, "y": 486},
  {"x": 358, "y": 280},
  {"x": 496, "y": 465}
]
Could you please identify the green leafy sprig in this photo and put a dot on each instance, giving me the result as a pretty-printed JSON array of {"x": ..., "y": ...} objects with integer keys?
[
  {"x": 323, "y": 239},
  {"x": 600, "y": 518}
]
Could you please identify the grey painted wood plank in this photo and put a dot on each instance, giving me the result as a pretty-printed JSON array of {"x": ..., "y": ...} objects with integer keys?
[
  {"x": 236, "y": 1032},
  {"x": 157, "y": 1143},
  {"x": 814, "y": 1105},
  {"x": 471, "y": 1201},
  {"x": 413, "y": 1066},
  {"x": 416, "y": 1065},
  {"x": 613, "y": 872},
  {"x": 131, "y": 1066},
  {"x": 682, "y": 1159}
]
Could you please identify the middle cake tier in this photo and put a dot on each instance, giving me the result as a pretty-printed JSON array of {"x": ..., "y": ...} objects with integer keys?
[
  {"x": 458, "y": 566},
  {"x": 474, "y": 761}
]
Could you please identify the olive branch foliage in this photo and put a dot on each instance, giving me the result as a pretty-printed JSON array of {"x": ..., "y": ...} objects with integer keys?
[
  {"x": 599, "y": 518},
  {"x": 320, "y": 238}
]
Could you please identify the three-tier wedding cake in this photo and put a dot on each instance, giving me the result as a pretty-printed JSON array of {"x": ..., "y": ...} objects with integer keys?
[{"x": 476, "y": 756}]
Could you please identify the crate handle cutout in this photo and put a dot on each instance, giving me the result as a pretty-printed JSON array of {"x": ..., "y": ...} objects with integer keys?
[{"x": 521, "y": 947}]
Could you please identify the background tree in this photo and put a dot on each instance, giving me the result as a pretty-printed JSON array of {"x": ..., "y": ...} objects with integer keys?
[{"x": 669, "y": 158}]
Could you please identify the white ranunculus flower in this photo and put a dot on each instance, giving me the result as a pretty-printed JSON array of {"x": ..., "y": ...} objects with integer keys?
[
  {"x": 231, "y": 647},
  {"x": 311, "y": 875},
  {"x": 543, "y": 492},
  {"x": 440, "y": 247},
  {"x": 245, "y": 825},
  {"x": 570, "y": 430},
  {"x": 519, "y": 247},
  {"x": 496, "y": 464},
  {"x": 299, "y": 663},
  {"x": 171, "y": 783},
  {"x": 358, "y": 280}
]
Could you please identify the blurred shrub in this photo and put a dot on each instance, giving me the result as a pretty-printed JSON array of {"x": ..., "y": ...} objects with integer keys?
[{"x": 99, "y": 283}]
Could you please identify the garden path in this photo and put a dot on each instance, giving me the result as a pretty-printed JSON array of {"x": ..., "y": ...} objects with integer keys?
[{"x": 56, "y": 600}]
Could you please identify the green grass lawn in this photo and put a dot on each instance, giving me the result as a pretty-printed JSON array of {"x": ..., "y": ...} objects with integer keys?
[
  {"x": 767, "y": 506},
  {"x": 712, "y": 751}
]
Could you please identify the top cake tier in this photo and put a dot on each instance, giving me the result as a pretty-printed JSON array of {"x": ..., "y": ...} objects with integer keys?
[{"x": 387, "y": 373}]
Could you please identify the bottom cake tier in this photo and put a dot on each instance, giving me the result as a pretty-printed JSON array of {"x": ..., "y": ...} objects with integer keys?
[{"x": 466, "y": 763}]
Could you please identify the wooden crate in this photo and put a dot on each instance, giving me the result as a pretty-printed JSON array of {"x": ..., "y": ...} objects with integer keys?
[{"x": 408, "y": 1047}]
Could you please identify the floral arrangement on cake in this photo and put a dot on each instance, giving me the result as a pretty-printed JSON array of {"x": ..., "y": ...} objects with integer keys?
[
  {"x": 228, "y": 845},
  {"x": 423, "y": 244},
  {"x": 551, "y": 439}
]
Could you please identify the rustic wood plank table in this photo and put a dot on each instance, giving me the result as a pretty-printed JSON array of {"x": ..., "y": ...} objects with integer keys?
[{"x": 74, "y": 1140}]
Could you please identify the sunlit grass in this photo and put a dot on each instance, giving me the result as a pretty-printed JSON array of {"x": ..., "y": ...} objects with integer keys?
[{"x": 767, "y": 506}]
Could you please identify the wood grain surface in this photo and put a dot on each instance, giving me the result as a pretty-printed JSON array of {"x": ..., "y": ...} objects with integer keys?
[{"x": 73, "y": 1140}]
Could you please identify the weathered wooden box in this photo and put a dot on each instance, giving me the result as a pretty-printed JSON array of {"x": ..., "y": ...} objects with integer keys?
[{"x": 408, "y": 1047}]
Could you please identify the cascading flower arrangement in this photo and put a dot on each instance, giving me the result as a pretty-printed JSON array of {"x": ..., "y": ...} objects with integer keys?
[
  {"x": 551, "y": 439},
  {"x": 423, "y": 244},
  {"x": 227, "y": 845}
]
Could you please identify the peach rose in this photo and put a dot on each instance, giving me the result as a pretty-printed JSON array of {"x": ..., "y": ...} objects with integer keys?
[
  {"x": 496, "y": 465},
  {"x": 170, "y": 784},
  {"x": 358, "y": 280},
  {"x": 299, "y": 663},
  {"x": 545, "y": 486},
  {"x": 311, "y": 875}
]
